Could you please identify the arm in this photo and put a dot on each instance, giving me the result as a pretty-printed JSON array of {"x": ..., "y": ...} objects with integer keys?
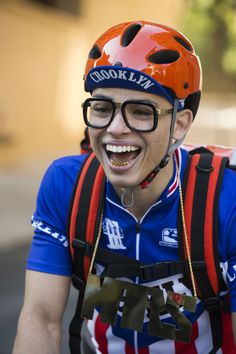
[{"x": 39, "y": 326}]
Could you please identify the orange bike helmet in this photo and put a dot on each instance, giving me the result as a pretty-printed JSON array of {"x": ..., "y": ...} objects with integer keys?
[{"x": 149, "y": 57}]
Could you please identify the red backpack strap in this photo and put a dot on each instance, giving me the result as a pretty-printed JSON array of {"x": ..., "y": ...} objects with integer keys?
[
  {"x": 83, "y": 223},
  {"x": 85, "y": 210},
  {"x": 201, "y": 191}
]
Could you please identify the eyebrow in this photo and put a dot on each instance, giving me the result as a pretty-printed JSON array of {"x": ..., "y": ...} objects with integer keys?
[
  {"x": 102, "y": 96},
  {"x": 156, "y": 104}
]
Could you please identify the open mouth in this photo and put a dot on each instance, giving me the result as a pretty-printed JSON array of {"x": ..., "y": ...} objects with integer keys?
[{"x": 121, "y": 155}]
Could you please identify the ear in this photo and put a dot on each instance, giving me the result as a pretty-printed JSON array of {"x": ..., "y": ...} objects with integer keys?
[{"x": 183, "y": 122}]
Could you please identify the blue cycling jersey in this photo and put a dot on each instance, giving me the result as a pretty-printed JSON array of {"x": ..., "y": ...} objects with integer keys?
[{"x": 153, "y": 238}]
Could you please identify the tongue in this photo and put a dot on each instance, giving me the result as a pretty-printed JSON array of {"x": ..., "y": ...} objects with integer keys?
[{"x": 124, "y": 156}]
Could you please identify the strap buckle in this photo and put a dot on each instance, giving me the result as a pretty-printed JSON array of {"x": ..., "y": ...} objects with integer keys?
[
  {"x": 78, "y": 283},
  {"x": 198, "y": 266},
  {"x": 84, "y": 247},
  {"x": 212, "y": 304},
  {"x": 204, "y": 169},
  {"x": 157, "y": 270}
]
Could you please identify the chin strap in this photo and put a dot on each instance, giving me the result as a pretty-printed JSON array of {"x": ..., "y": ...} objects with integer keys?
[
  {"x": 170, "y": 148},
  {"x": 145, "y": 183}
]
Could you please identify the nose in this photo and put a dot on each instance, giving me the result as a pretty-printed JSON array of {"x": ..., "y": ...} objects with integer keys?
[{"x": 118, "y": 126}]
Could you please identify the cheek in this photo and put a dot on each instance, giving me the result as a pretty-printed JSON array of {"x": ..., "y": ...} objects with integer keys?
[
  {"x": 153, "y": 152},
  {"x": 153, "y": 141},
  {"x": 156, "y": 147}
]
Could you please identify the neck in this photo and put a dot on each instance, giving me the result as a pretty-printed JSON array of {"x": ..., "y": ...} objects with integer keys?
[{"x": 144, "y": 198}]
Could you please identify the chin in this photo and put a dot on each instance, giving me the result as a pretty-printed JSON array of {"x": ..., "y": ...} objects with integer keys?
[{"x": 122, "y": 182}]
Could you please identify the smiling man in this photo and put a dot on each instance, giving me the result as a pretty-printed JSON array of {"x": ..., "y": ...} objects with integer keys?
[{"x": 141, "y": 295}]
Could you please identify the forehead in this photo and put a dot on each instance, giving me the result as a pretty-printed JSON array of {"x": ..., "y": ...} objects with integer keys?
[{"x": 120, "y": 95}]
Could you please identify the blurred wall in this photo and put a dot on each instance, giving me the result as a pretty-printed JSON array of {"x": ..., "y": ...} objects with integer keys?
[
  {"x": 41, "y": 67},
  {"x": 41, "y": 89},
  {"x": 37, "y": 48}
]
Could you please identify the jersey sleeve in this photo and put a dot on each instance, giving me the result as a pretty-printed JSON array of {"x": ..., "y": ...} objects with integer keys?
[{"x": 49, "y": 251}]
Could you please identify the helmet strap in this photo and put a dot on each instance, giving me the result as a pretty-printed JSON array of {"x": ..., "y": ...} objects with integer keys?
[{"x": 170, "y": 148}]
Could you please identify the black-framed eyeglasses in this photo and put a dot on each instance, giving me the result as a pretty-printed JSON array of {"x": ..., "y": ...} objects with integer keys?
[{"x": 138, "y": 115}]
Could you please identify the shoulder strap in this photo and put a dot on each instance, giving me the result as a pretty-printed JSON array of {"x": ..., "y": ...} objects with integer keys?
[
  {"x": 85, "y": 209},
  {"x": 201, "y": 190},
  {"x": 83, "y": 223}
]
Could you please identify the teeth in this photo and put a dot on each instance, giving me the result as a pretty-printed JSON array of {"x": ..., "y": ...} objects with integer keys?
[
  {"x": 120, "y": 149},
  {"x": 119, "y": 164}
]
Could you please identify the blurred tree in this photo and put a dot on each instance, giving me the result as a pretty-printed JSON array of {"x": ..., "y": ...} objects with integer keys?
[{"x": 211, "y": 26}]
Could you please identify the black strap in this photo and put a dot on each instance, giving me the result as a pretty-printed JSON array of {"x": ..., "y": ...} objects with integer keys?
[
  {"x": 82, "y": 217},
  {"x": 151, "y": 272},
  {"x": 204, "y": 169},
  {"x": 118, "y": 265},
  {"x": 75, "y": 328},
  {"x": 211, "y": 302},
  {"x": 70, "y": 212},
  {"x": 103, "y": 255},
  {"x": 81, "y": 225}
]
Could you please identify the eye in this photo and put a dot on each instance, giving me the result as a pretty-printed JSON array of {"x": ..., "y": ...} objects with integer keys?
[
  {"x": 101, "y": 108},
  {"x": 140, "y": 111}
]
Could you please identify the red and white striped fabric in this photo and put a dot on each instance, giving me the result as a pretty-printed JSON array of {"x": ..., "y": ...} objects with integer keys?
[{"x": 105, "y": 342}]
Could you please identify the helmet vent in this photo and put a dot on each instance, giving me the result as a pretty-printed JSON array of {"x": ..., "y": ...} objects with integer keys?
[
  {"x": 184, "y": 43},
  {"x": 164, "y": 56},
  {"x": 118, "y": 63},
  {"x": 129, "y": 34},
  {"x": 95, "y": 52}
]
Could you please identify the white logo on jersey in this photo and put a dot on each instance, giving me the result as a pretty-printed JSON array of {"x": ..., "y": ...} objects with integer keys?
[
  {"x": 39, "y": 225},
  {"x": 115, "y": 234},
  {"x": 234, "y": 276},
  {"x": 169, "y": 238}
]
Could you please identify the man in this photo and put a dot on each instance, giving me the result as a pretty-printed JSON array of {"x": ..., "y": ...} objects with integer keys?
[{"x": 145, "y": 84}]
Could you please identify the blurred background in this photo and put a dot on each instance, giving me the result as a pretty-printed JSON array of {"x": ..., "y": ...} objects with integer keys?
[{"x": 44, "y": 45}]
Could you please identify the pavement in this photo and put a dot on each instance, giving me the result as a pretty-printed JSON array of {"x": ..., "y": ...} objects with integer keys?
[
  {"x": 18, "y": 190},
  {"x": 12, "y": 265}
]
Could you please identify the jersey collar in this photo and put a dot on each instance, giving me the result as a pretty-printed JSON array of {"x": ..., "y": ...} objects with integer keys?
[{"x": 171, "y": 188}]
